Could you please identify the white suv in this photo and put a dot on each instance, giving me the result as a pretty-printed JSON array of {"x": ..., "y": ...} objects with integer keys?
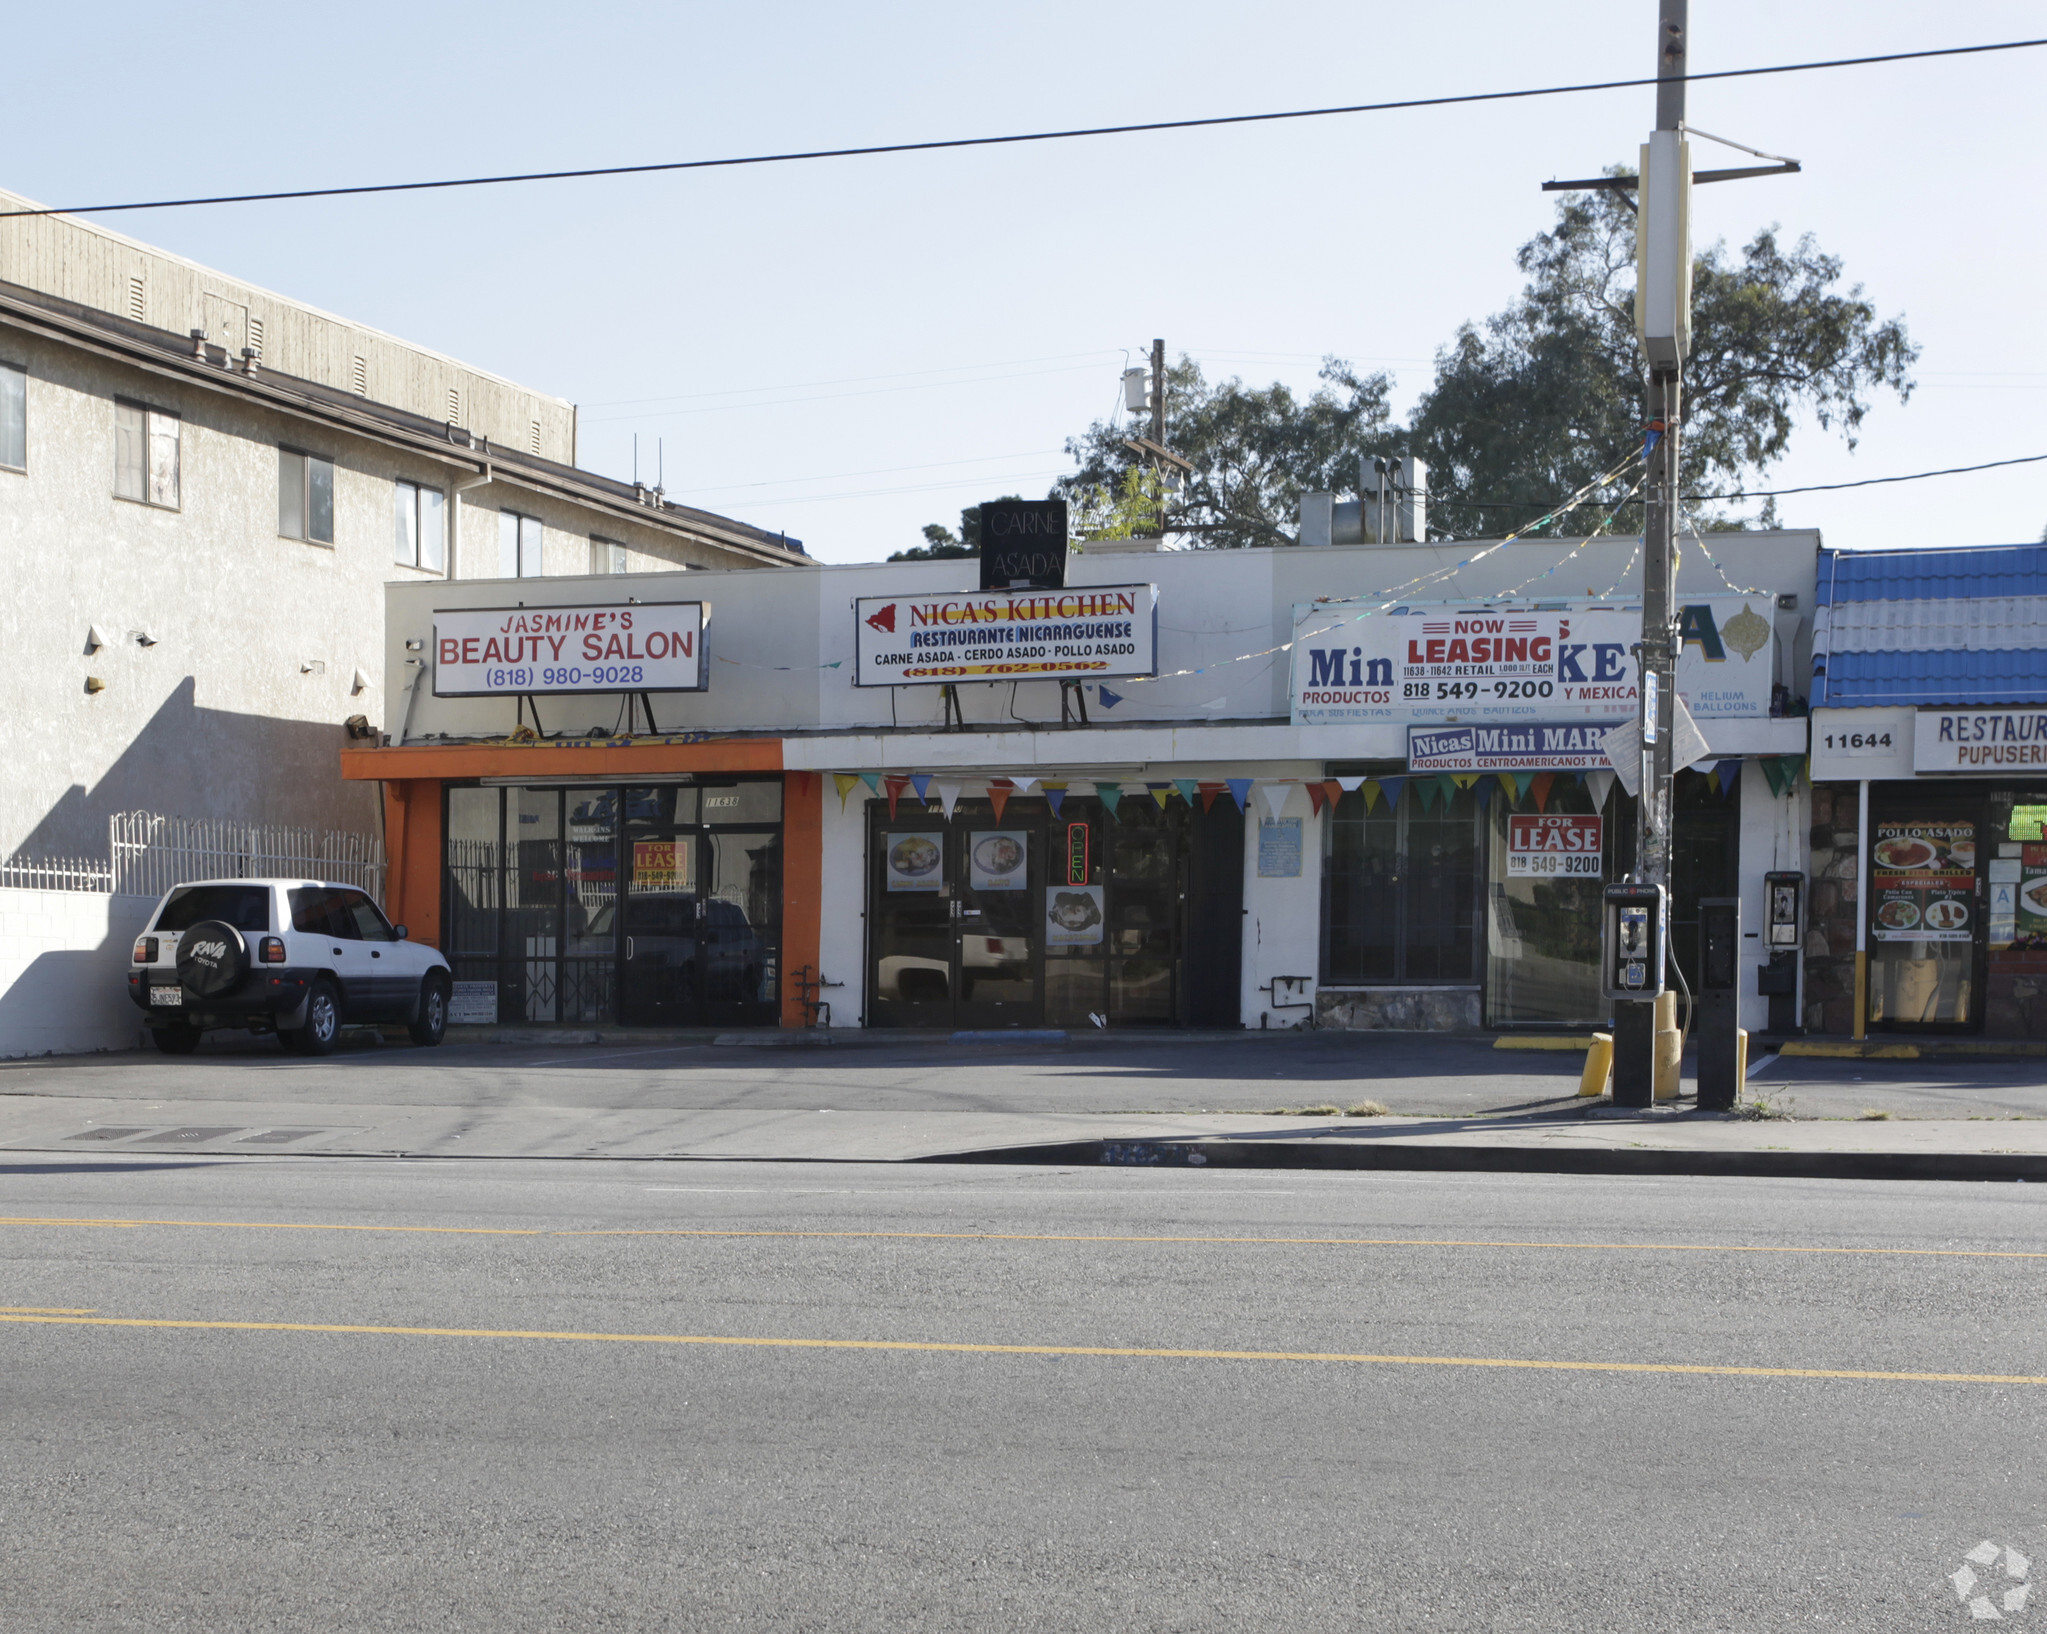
[{"x": 294, "y": 957}]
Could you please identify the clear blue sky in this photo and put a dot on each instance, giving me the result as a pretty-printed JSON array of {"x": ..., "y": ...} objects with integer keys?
[{"x": 851, "y": 348}]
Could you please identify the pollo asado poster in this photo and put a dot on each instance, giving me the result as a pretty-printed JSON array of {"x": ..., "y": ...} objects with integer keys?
[{"x": 1548, "y": 661}]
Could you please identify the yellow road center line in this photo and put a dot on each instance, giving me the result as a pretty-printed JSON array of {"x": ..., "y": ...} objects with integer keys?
[
  {"x": 1039, "y": 1237},
  {"x": 1133, "y": 1352}
]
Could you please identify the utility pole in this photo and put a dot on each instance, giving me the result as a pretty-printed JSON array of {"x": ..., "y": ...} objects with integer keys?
[
  {"x": 1158, "y": 395},
  {"x": 1663, "y": 320}
]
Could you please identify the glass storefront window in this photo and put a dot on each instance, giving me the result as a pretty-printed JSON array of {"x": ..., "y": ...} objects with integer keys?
[
  {"x": 1547, "y": 869},
  {"x": 1400, "y": 891}
]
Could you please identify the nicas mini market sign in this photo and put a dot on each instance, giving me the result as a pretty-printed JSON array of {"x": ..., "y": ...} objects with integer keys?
[
  {"x": 1432, "y": 662},
  {"x": 636, "y": 647},
  {"x": 1089, "y": 634}
]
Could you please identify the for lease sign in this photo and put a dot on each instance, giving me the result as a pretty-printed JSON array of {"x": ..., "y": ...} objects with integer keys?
[
  {"x": 1545, "y": 661},
  {"x": 1563, "y": 847},
  {"x": 1092, "y": 633},
  {"x": 635, "y": 647}
]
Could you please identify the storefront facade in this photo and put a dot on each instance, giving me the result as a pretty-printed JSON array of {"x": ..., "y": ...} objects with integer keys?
[
  {"x": 1188, "y": 789},
  {"x": 1929, "y": 764}
]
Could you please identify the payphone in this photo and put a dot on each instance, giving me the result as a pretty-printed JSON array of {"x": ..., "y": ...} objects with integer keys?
[
  {"x": 1634, "y": 936},
  {"x": 1783, "y": 919}
]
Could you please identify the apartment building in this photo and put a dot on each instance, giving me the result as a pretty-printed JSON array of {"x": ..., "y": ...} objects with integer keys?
[{"x": 204, "y": 489}]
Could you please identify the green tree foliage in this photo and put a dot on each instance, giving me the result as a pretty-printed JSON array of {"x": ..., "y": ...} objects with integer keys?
[
  {"x": 941, "y": 543},
  {"x": 1541, "y": 398},
  {"x": 1254, "y": 452}
]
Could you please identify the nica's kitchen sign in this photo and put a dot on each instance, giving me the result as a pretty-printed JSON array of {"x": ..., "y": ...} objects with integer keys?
[
  {"x": 634, "y": 647},
  {"x": 1442, "y": 661},
  {"x": 1087, "y": 634}
]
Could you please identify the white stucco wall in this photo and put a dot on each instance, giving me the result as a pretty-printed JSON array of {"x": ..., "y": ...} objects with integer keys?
[{"x": 64, "y": 958}]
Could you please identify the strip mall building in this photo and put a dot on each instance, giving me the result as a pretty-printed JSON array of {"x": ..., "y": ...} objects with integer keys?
[{"x": 1360, "y": 784}]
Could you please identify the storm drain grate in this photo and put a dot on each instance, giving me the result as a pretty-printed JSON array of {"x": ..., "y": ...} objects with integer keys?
[
  {"x": 278, "y": 1137},
  {"x": 182, "y": 1137},
  {"x": 108, "y": 1133}
]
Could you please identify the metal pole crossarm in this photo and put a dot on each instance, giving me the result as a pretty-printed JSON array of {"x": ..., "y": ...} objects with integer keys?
[
  {"x": 1144, "y": 445},
  {"x": 1628, "y": 184}
]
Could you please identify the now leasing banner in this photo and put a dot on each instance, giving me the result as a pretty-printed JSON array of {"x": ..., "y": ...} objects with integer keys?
[
  {"x": 1438, "y": 662},
  {"x": 1092, "y": 633},
  {"x": 636, "y": 647}
]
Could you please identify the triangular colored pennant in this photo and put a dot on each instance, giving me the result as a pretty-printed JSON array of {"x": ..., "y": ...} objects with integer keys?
[
  {"x": 1208, "y": 793},
  {"x": 1540, "y": 783},
  {"x": 895, "y": 784},
  {"x": 1024, "y": 785},
  {"x": 1483, "y": 788},
  {"x": 1391, "y": 787},
  {"x": 920, "y": 781},
  {"x": 1599, "y": 784},
  {"x": 1109, "y": 699},
  {"x": 1349, "y": 785},
  {"x": 1521, "y": 782},
  {"x": 1371, "y": 792},
  {"x": 1275, "y": 796},
  {"x": 1464, "y": 780},
  {"x": 1446, "y": 789},
  {"x": 1240, "y": 789},
  {"x": 845, "y": 782},
  {"x": 1317, "y": 798},
  {"x": 1161, "y": 792},
  {"x": 1425, "y": 793},
  {"x": 948, "y": 797},
  {"x": 1187, "y": 787},
  {"x": 1111, "y": 796},
  {"x": 999, "y": 790},
  {"x": 1725, "y": 773},
  {"x": 872, "y": 780},
  {"x": 1055, "y": 796}
]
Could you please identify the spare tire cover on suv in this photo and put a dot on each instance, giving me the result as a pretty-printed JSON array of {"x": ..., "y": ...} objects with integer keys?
[{"x": 212, "y": 959}]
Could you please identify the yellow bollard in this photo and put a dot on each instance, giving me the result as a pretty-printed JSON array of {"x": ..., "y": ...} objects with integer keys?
[
  {"x": 1598, "y": 1065},
  {"x": 1669, "y": 1047},
  {"x": 1740, "y": 1061}
]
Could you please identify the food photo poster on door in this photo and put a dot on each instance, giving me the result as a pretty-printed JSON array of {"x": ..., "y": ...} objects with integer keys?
[
  {"x": 914, "y": 862},
  {"x": 1073, "y": 916},
  {"x": 1922, "y": 882},
  {"x": 2029, "y": 926},
  {"x": 998, "y": 860}
]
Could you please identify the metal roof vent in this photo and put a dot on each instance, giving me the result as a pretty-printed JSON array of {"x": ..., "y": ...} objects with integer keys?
[
  {"x": 138, "y": 304},
  {"x": 360, "y": 376},
  {"x": 454, "y": 406},
  {"x": 256, "y": 336},
  {"x": 536, "y": 436}
]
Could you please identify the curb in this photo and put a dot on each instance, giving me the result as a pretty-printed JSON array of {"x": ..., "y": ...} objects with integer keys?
[
  {"x": 1357, "y": 1155},
  {"x": 1870, "y": 1049}
]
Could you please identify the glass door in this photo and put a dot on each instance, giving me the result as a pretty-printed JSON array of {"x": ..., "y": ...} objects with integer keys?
[
  {"x": 1925, "y": 924},
  {"x": 954, "y": 915},
  {"x": 658, "y": 916}
]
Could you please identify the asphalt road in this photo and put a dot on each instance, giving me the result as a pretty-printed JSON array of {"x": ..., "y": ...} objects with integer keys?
[
  {"x": 1422, "y": 1074},
  {"x": 764, "y": 1397}
]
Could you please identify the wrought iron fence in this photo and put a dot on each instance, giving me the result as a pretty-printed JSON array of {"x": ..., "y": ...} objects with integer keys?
[
  {"x": 151, "y": 853},
  {"x": 56, "y": 874}
]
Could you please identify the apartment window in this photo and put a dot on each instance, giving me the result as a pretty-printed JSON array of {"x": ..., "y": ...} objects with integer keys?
[
  {"x": 305, "y": 497},
  {"x": 13, "y": 417},
  {"x": 422, "y": 537},
  {"x": 145, "y": 454},
  {"x": 607, "y": 556},
  {"x": 518, "y": 546}
]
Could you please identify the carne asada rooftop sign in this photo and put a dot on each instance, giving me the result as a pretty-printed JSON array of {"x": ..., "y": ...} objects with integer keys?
[
  {"x": 635, "y": 647},
  {"x": 1088, "y": 633}
]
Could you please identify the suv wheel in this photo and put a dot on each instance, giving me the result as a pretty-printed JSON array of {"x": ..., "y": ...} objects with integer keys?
[
  {"x": 176, "y": 1040},
  {"x": 322, "y": 1024},
  {"x": 432, "y": 1023}
]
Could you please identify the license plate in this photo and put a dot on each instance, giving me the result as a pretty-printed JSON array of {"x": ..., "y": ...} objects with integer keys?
[{"x": 166, "y": 995}]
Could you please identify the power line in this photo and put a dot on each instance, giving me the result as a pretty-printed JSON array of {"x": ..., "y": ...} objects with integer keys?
[
  {"x": 1029, "y": 136},
  {"x": 1870, "y": 482}
]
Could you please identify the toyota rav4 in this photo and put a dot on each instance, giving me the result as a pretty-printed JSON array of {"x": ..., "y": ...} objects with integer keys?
[{"x": 292, "y": 957}]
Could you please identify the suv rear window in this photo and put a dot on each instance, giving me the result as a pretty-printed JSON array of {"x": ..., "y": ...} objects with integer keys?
[{"x": 246, "y": 907}]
